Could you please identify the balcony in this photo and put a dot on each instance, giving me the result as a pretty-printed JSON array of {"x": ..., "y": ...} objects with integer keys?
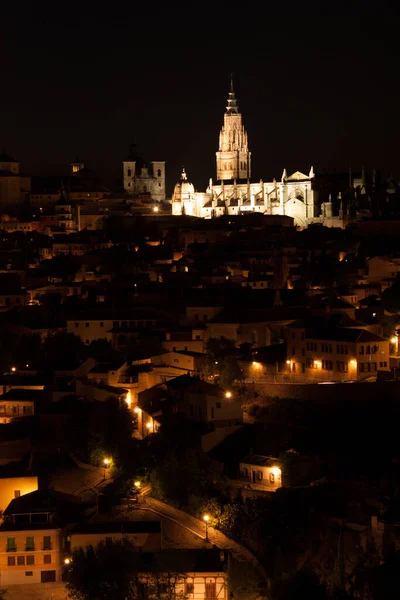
[
  {"x": 30, "y": 548},
  {"x": 11, "y": 548}
]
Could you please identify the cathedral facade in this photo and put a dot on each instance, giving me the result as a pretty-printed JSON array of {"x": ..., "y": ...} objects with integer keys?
[{"x": 294, "y": 195}]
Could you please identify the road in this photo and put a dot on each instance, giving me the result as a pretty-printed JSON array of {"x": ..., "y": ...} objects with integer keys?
[{"x": 196, "y": 526}]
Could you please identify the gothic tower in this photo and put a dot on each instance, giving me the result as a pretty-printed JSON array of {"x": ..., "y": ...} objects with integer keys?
[{"x": 233, "y": 156}]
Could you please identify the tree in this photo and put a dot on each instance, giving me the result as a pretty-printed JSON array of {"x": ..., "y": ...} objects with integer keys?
[
  {"x": 103, "y": 351},
  {"x": 116, "y": 571},
  {"x": 244, "y": 581},
  {"x": 391, "y": 298},
  {"x": 221, "y": 362},
  {"x": 108, "y": 571},
  {"x": 110, "y": 432},
  {"x": 63, "y": 348}
]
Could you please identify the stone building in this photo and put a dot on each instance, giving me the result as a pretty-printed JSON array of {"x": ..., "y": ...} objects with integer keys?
[
  {"x": 140, "y": 178},
  {"x": 293, "y": 195}
]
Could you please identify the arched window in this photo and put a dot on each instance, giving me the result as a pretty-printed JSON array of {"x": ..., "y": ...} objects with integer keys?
[{"x": 129, "y": 172}]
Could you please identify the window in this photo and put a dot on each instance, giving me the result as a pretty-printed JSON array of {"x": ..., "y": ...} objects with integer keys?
[
  {"x": 47, "y": 559},
  {"x": 260, "y": 475},
  {"x": 383, "y": 364},
  {"x": 189, "y": 588},
  {"x": 30, "y": 543},
  {"x": 46, "y": 542},
  {"x": 327, "y": 365},
  {"x": 210, "y": 590},
  {"x": 17, "y": 493},
  {"x": 76, "y": 324},
  {"x": 310, "y": 363},
  {"x": 101, "y": 324},
  {"x": 342, "y": 366},
  {"x": 158, "y": 172},
  {"x": 129, "y": 172},
  {"x": 11, "y": 561},
  {"x": 28, "y": 573},
  {"x": 218, "y": 405},
  {"x": 20, "y": 560},
  {"x": 361, "y": 349},
  {"x": 212, "y": 412},
  {"x": 86, "y": 324},
  {"x": 11, "y": 546},
  {"x": 272, "y": 477},
  {"x": 294, "y": 367},
  {"x": 30, "y": 560}
]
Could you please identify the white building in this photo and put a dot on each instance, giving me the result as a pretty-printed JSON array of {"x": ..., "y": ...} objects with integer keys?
[{"x": 294, "y": 195}]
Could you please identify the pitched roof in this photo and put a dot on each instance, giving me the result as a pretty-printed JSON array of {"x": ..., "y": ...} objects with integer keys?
[{"x": 260, "y": 460}]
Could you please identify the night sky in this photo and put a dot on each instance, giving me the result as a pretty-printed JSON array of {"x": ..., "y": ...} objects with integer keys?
[{"x": 315, "y": 85}]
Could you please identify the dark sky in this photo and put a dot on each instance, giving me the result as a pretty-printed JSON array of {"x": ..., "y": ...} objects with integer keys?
[{"x": 317, "y": 84}]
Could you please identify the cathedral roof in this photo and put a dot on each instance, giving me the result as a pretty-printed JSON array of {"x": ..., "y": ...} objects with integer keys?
[{"x": 297, "y": 176}]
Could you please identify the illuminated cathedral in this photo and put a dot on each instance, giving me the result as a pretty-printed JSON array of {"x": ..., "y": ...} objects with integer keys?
[{"x": 294, "y": 195}]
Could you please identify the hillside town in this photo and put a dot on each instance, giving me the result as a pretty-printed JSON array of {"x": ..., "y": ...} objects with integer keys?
[{"x": 214, "y": 399}]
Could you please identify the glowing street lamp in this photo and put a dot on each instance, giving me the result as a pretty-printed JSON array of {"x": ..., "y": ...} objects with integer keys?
[
  {"x": 206, "y": 518},
  {"x": 106, "y": 463},
  {"x": 137, "y": 485},
  {"x": 228, "y": 394},
  {"x": 13, "y": 369},
  {"x": 67, "y": 561},
  {"x": 155, "y": 209}
]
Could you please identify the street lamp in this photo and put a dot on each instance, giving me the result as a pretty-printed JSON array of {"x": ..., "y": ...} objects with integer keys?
[
  {"x": 228, "y": 394},
  {"x": 137, "y": 485},
  {"x": 106, "y": 462},
  {"x": 13, "y": 369},
  {"x": 155, "y": 209},
  {"x": 206, "y": 518},
  {"x": 67, "y": 561}
]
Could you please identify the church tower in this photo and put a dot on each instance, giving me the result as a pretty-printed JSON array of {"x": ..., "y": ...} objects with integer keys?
[{"x": 233, "y": 156}]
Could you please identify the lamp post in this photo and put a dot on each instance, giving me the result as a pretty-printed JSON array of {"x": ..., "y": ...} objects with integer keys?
[
  {"x": 106, "y": 462},
  {"x": 206, "y": 518}
]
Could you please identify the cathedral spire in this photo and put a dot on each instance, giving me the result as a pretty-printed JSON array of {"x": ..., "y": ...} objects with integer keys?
[{"x": 232, "y": 107}]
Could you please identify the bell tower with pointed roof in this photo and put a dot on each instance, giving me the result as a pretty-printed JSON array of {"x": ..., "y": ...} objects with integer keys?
[{"x": 233, "y": 156}]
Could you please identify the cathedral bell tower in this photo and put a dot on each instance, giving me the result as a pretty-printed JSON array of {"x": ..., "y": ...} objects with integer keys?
[{"x": 233, "y": 156}]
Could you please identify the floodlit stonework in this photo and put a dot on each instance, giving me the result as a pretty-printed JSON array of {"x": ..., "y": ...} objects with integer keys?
[{"x": 293, "y": 195}]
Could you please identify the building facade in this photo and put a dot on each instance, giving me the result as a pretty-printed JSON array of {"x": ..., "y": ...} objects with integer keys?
[
  {"x": 293, "y": 195},
  {"x": 140, "y": 178}
]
